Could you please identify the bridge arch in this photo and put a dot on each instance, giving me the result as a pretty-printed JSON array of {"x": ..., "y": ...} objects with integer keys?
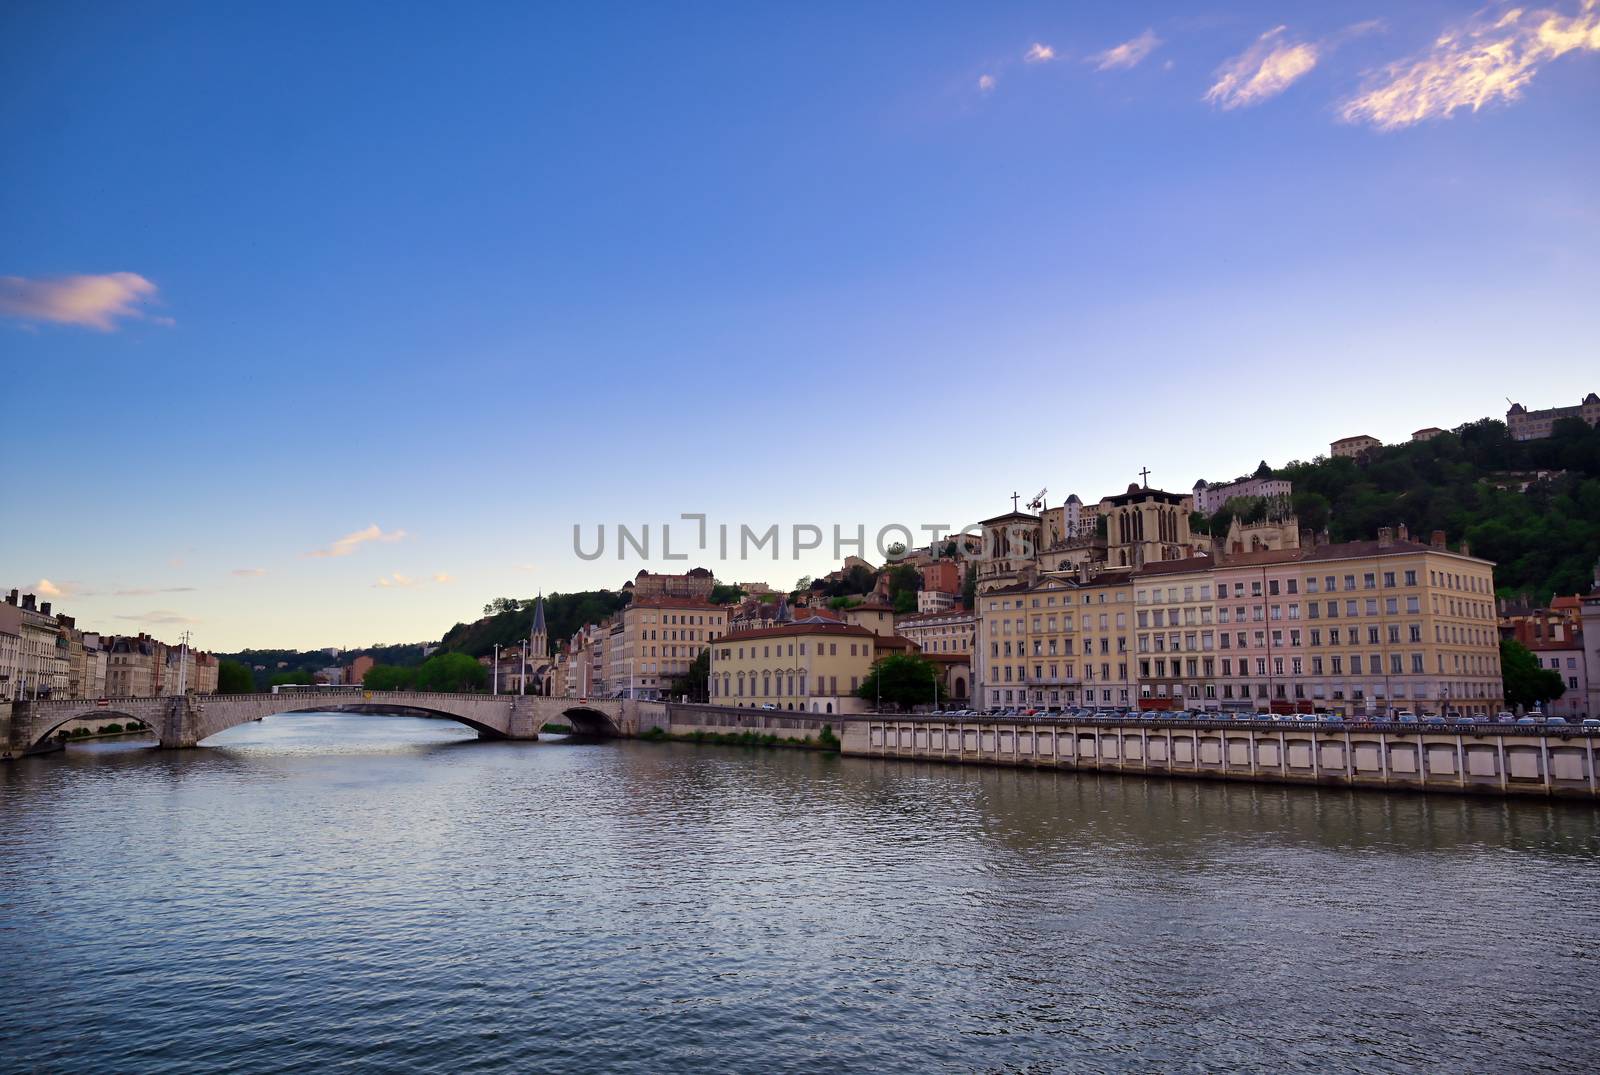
[
  {"x": 103, "y": 716},
  {"x": 372, "y": 708},
  {"x": 588, "y": 720}
]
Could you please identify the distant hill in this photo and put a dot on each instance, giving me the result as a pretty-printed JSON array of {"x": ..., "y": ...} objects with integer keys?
[
  {"x": 564, "y": 613},
  {"x": 1468, "y": 483}
]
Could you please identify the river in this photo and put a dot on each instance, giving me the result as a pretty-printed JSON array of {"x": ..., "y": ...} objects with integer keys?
[{"x": 319, "y": 892}]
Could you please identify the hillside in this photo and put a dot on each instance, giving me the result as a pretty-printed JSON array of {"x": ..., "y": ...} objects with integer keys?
[
  {"x": 1468, "y": 482},
  {"x": 564, "y": 613}
]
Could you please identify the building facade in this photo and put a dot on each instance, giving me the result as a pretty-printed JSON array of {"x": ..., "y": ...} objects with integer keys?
[
  {"x": 655, "y": 639},
  {"x": 946, "y": 633},
  {"x": 813, "y": 667},
  {"x": 1536, "y": 425},
  {"x": 1208, "y": 498},
  {"x": 1354, "y": 447}
]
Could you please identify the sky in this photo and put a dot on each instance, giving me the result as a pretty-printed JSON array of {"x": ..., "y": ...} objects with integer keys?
[{"x": 326, "y": 324}]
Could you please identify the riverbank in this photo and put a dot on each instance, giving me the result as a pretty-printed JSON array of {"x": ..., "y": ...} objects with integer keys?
[
  {"x": 1487, "y": 760},
  {"x": 825, "y": 740}
]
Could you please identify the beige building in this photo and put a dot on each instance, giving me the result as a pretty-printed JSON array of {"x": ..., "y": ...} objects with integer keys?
[
  {"x": 654, "y": 640},
  {"x": 42, "y": 663},
  {"x": 10, "y": 651},
  {"x": 875, "y": 615},
  {"x": 130, "y": 668},
  {"x": 1175, "y": 620},
  {"x": 814, "y": 667},
  {"x": 1536, "y": 425},
  {"x": 947, "y": 633},
  {"x": 1359, "y": 628},
  {"x": 695, "y": 584},
  {"x": 1056, "y": 642},
  {"x": 1426, "y": 434},
  {"x": 1354, "y": 447}
]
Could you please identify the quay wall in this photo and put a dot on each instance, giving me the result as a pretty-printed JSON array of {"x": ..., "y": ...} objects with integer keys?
[{"x": 1488, "y": 760}]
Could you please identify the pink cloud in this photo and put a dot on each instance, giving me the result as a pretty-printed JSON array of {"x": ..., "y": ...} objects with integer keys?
[{"x": 93, "y": 301}]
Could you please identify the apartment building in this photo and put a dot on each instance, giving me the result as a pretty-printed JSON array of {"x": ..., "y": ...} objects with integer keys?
[
  {"x": 946, "y": 633},
  {"x": 1056, "y": 641},
  {"x": 812, "y": 667},
  {"x": 1175, "y": 619},
  {"x": 655, "y": 639}
]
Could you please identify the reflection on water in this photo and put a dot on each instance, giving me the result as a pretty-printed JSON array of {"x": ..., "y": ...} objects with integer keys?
[{"x": 391, "y": 894}]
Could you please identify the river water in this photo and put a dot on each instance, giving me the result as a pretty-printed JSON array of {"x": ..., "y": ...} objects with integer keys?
[{"x": 338, "y": 892}]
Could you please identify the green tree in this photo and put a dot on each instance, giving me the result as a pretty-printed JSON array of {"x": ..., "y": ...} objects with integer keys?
[
  {"x": 1527, "y": 684},
  {"x": 234, "y": 678},
  {"x": 451, "y": 672},
  {"x": 301, "y": 676},
  {"x": 1263, "y": 471},
  {"x": 901, "y": 679},
  {"x": 696, "y": 684},
  {"x": 725, "y": 595},
  {"x": 388, "y": 677}
]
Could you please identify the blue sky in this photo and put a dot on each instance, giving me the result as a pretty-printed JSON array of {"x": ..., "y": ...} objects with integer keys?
[{"x": 462, "y": 277}]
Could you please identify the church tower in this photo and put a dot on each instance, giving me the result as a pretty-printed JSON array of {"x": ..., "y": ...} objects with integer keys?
[{"x": 538, "y": 637}]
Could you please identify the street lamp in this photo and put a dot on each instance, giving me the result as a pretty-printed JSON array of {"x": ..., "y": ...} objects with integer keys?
[{"x": 497, "y": 668}]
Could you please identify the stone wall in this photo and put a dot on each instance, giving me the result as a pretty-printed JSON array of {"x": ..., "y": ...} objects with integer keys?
[{"x": 1487, "y": 760}]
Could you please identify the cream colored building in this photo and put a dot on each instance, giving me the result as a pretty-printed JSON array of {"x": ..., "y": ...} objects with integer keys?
[
  {"x": 876, "y": 616},
  {"x": 1359, "y": 628},
  {"x": 814, "y": 667},
  {"x": 1176, "y": 635},
  {"x": 1056, "y": 642},
  {"x": 1353, "y": 447},
  {"x": 1536, "y": 425},
  {"x": 654, "y": 640},
  {"x": 947, "y": 633}
]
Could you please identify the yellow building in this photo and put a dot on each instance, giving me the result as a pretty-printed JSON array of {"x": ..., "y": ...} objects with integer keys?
[
  {"x": 655, "y": 639},
  {"x": 814, "y": 667},
  {"x": 1056, "y": 642}
]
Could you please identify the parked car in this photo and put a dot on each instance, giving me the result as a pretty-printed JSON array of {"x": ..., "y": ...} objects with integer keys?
[
  {"x": 1555, "y": 720},
  {"x": 1407, "y": 718},
  {"x": 1526, "y": 720},
  {"x": 1591, "y": 722},
  {"x": 1433, "y": 719},
  {"x": 1503, "y": 717}
]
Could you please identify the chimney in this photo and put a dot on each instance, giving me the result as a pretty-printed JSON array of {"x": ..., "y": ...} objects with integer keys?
[
  {"x": 1466, "y": 550},
  {"x": 1385, "y": 537},
  {"x": 45, "y": 608},
  {"x": 1308, "y": 538},
  {"x": 1438, "y": 539},
  {"x": 27, "y": 601},
  {"x": 1403, "y": 534}
]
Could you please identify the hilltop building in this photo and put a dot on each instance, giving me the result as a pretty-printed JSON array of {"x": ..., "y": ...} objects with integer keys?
[{"x": 1536, "y": 425}]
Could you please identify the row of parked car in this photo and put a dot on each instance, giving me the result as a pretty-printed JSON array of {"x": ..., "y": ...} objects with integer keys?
[{"x": 1123, "y": 716}]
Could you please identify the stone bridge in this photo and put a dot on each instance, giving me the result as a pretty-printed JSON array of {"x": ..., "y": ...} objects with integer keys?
[{"x": 27, "y": 727}]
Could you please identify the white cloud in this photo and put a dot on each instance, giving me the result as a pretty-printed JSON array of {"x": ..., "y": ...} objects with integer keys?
[
  {"x": 249, "y": 572},
  {"x": 985, "y": 83},
  {"x": 94, "y": 301},
  {"x": 46, "y": 588},
  {"x": 160, "y": 616},
  {"x": 1127, "y": 54},
  {"x": 351, "y": 542},
  {"x": 397, "y": 581},
  {"x": 146, "y": 591},
  {"x": 1487, "y": 59},
  {"x": 1268, "y": 67},
  {"x": 1039, "y": 52}
]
